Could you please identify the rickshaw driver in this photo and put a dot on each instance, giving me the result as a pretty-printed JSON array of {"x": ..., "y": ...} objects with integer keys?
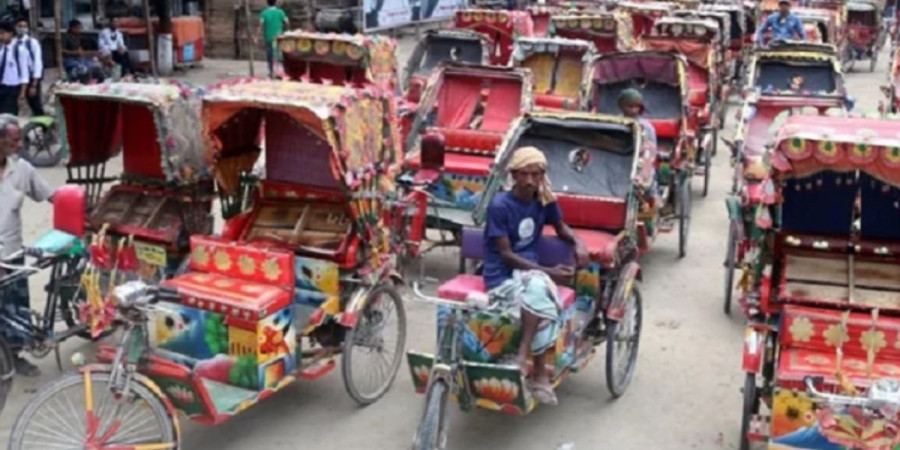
[
  {"x": 18, "y": 179},
  {"x": 784, "y": 25},
  {"x": 512, "y": 275}
]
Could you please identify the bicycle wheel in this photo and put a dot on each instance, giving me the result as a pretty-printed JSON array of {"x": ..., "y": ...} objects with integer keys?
[
  {"x": 750, "y": 408},
  {"x": 373, "y": 348},
  {"x": 40, "y": 145},
  {"x": 431, "y": 433},
  {"x": 730, "y": 264},
  {"x": 7, "y": 371},
  {"x": 79, "y": 411},
  {"x": 683, "y": 204},
  {"x": 622, "y": 339}
]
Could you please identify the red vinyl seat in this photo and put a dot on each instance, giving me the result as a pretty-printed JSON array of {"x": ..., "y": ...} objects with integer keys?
[
  {"x": 472, "y": 140},
  {"x": 667, "y": 128},
  {"x": 601, "y": 246},
  {"x": 458, "y": 163}
]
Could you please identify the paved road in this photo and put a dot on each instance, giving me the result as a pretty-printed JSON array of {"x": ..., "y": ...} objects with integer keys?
[{"x": 685, "y": 394}]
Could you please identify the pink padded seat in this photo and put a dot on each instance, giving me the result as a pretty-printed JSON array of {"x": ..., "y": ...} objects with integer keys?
[{"x": 459, "y": 288}]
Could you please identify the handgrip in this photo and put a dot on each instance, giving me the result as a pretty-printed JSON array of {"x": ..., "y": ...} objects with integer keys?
[{"x": 167, "y": 293}]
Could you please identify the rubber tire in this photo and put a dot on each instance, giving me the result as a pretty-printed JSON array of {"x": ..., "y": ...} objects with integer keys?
[
  {"x": 617, "y": 387},
  {"x": 346, "y": 356},
  {"x": 849, "y": 61},
  {"x": 98, "y": 379},
  {"x": 751, "y": 405},
  {"x": 730, "y": 264},
  {"x": 52, "y": 160},
  {"x": 723, "y": 111},
  {"x": 684, "y": 215},
  {"x": 430, "y": 434},
  {"x": 7, "y": 365},
  {"x": 707, "y": 163}
]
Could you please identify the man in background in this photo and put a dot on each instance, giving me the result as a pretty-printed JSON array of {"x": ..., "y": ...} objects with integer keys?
[
  {"x": 30, "y": 46},
  {"x": 13, "y": 71},
  {"x": 18, "y": 180},
  {"x": 112, "y": 44},
  {"x": 272, "y": 22}
]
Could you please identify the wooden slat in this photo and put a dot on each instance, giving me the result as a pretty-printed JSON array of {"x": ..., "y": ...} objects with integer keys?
[
  {"x": 877, "y": 275},
  {"x": 817, "y": 292},
  {"x": 881, "y": 299},
  {"x": 826, "y": 270},
  {"x": 837, "y": 294}
]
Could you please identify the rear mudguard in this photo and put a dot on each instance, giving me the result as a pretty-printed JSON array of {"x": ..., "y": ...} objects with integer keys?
[
  {"x": 150, "y": 384},
  {"x": 360, "y": 299},
  {"x": 754, "y": 347},
  {"x": 355, "y": 305},
  {"x": 627, "y": 276}
]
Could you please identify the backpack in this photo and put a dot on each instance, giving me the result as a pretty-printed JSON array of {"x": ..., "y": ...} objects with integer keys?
[{"x": 29, "y": 47}]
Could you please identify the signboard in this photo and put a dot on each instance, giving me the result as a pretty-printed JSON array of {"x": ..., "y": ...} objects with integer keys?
[{"x": 380, "y": 14}]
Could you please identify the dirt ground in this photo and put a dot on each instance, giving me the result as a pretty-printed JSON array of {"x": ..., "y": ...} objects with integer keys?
[{"x": 685, "y": 394}]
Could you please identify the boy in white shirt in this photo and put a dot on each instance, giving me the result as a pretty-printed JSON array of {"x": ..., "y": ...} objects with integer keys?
[
  {"x": 32, "y": 49},
  {"x": 13, "y": 71},
  {"x": 111, "y": 42}
]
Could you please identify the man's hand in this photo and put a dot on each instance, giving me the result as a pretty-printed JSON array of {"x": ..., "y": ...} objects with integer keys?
[
  {"x": 582, "y": 255},
  {"x": 32, "y": 90},
  {"x": 560, "y": 274}
]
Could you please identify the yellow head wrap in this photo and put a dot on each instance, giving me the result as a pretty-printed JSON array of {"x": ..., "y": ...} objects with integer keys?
[{"x": 526, "y": 156}]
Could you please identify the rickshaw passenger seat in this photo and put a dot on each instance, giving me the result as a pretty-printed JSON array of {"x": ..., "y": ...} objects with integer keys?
[
  {"x": 502, "y": 106},
  {"x": 551, "y": 251},
  {"x": 607, "y": 214},
  {"x": 880, "y": 218},
  {"x": 820, "y": 204},
  {"x": 667, "y": 128}
]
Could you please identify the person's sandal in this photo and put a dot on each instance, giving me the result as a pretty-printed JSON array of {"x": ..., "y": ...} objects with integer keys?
[{"x": 544, "y": 394}]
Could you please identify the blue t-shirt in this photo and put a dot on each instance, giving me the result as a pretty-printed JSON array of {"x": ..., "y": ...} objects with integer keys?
[
  {"x": 784, "y": 28},
  {"x": 520, "y": 222}
]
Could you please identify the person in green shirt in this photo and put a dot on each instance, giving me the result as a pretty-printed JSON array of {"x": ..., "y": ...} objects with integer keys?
[{"x": 272, "y": 22}]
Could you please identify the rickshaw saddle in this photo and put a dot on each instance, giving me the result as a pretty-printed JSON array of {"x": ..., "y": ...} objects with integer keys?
[{"x": 461, "y": 286}]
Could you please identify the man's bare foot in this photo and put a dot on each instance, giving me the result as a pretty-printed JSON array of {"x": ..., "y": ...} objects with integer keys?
[{"x": 522, "y": 362}]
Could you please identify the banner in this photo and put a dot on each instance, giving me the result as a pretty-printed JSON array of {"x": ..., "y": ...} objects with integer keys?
[{"x": 395, "y": 13}]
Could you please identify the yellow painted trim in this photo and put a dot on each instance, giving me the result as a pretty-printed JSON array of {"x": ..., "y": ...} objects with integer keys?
[
  {"x": 160, "y": 446},
  {"x": 88, "y": 392}
]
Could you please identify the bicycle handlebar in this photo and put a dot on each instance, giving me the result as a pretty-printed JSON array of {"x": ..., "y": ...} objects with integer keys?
[
  {"x": 138, "y": 294},
  {"x": 881, "y": 394}
]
